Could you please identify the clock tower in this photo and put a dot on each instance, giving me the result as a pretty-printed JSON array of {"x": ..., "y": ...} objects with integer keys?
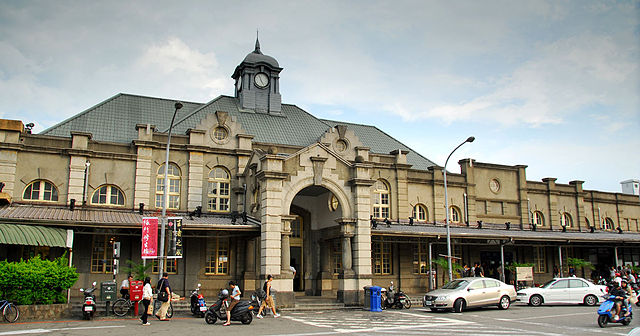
[{"x": 257, "y": 83}]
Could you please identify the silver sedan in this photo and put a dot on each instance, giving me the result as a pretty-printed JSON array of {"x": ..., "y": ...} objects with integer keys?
[{"x": 463, "y": 293}]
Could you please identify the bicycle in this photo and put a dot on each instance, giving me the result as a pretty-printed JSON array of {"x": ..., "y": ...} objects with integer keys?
[
  {"x": 121, "y": 307},
  {"x": 10, "y": 312}
]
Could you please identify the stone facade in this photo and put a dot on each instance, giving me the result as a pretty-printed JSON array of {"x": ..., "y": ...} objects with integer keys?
[{"x": 313, "y": 206}]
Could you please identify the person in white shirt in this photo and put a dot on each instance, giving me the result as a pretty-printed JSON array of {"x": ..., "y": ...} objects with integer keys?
[
  {"x": 147, "y": 296},
  {"x": 124, "y": 287}
]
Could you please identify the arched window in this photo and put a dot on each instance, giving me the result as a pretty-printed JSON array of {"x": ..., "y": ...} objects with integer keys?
[
  {"x": 108, "y": 195},
  {"x": 538, "y": 218},
  {"x": 454, "y": 214},
  {"x": 41, "y": 190},
  {"x": 565, "y": 220},
  {"x": 381, "y": 200},
  {"x": 420, "y": 212},
  {"x": 608, "y": 224},
  {"x": 173, "y": 173},
  {"x": 218, "y": 190}
]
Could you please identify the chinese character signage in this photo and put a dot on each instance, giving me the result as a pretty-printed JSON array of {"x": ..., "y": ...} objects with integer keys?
[
  {"x": 149, "y": 237},
  {"x": 175, "y": 227}
]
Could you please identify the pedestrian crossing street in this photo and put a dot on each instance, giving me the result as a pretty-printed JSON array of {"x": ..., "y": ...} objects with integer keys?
[{"x": 410, "y": 322}]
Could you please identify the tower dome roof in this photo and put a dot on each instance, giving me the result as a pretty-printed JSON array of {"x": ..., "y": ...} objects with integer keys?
[{"x": 256, "y": 56}]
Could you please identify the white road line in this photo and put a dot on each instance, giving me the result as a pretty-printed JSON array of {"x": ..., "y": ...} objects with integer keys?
[
  {"x": 543, "y": 317},
  {"x": 42, "y": 331},
  {"x": 600, "y": 330}
]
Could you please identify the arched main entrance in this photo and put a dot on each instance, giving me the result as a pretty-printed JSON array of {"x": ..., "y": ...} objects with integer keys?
[{"x": 315, "y": 226}]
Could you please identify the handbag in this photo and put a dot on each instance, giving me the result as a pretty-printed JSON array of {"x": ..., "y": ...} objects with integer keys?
[
  {"x": 163, "y": 296},
  {"x": 150, "y": 309}
]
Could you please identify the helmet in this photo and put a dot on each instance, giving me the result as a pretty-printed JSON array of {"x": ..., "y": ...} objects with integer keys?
[
  {"x": 617, "y": 274},
  {"x": 223, "y": 293}
]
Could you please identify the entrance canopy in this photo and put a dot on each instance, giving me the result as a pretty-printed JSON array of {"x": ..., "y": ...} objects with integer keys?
[{"x": 35, "y": 235}]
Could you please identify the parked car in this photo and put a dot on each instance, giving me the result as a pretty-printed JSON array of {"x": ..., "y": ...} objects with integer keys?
[
  {"x": 464, "y": 293},
  {"x": 563, "y": 290}
]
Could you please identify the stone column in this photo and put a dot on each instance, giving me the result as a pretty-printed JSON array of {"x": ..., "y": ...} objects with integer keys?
[
  {"x": 552, "y": 194},
  {"x": 77, "y": 166},
  {"x": 348, "y": 285},
  {"x": 326, "y": 274},
  {"x": 523, "y": 197},
  {"x": 579, "y": 222},
  {"x": 142, "y": 187},
  {"x": 286, "y": 247},
  {"x": 250, "y": 265}
]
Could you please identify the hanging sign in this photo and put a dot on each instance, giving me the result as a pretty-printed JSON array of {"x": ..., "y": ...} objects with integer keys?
[
  {"x": 149, "y": 237},
  {"x": 175, "y": 227}
]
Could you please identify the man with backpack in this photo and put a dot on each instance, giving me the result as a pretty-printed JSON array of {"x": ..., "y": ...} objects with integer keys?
[{"x": 268, "y": 300}]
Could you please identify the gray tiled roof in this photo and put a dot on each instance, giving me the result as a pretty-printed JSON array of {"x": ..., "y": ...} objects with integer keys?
[{"x": 114, "y": 120}]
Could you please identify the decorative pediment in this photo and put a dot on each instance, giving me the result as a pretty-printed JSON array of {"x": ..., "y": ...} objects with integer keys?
[
  {"x": 342, "y": 141},
  {"x": 222, "y": 130}
]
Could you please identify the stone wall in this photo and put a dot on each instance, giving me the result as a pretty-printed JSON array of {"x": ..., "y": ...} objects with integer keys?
[{"x": 45, "y": 312}]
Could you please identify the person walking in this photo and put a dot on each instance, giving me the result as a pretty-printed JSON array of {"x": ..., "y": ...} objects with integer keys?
[
  {"x": 235, "y": 298},
  {"x": 147, "y": 296},
  {"x": 164, "y": 286},
  {"x": 268, "y": 301}
]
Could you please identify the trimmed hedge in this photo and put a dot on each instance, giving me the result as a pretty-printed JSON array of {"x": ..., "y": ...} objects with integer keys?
[{"x": 36, "y": 281}]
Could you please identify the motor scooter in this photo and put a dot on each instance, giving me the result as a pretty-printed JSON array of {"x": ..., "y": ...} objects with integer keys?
[
  {"x": 89, "y": 306},
  {"x": 218, "y": 311},
  {"x": 606, "y": 312},
  {"x": 198, "y": 306},
  {"x": 392, "y": 299}
]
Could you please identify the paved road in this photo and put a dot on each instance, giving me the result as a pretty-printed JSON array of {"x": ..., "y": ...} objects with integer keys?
[{"x": 518, "y": 320}]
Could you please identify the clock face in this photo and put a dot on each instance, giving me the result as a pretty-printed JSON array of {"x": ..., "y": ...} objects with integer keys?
[
  {"x": 262, "y": 80},
  {"x": 494, "y": 185}
]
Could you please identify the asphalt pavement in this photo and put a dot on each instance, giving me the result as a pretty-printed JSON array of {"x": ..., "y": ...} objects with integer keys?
[{"x": 517, "y": 320}]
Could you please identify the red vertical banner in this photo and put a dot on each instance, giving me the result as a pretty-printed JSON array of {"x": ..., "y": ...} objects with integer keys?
[{"x": 149, "y": 237}]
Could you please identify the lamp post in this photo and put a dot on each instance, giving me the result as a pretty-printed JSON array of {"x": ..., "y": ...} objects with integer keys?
[
  {"x": 165, "y": 196},
  {"x": 446, "y": 206}
]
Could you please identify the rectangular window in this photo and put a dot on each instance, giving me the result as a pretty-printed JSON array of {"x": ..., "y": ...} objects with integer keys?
[
  {"x": 102, "y": 254},
  {"x": 217, "y": 256},
  {"x": 420, "y": 256},
  {"x": 381, "y": 257},
  {"x": 539, "y": 260},
  {"x": 170, "y": 266},
  {"x": 336, "y": 256}
]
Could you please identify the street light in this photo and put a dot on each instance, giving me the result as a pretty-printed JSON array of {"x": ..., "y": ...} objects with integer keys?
[
  {"x": 446, "y": 206},
  {"x": 165, "y": 197}
]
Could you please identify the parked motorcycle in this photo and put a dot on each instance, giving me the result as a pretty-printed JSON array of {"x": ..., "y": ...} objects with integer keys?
[
  {"x": 606, "y": 312},
  {"x": 392, "y": 299},
  {"x": 241, "y": 312},
  {"x": 198, "y": 306},
  {"x": 89, "y": 306}
]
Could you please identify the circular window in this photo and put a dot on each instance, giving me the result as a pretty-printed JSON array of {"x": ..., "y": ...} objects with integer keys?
[
  {"x": 333, "y": 203},
  {"x": 494, "y": 185},
  {"x": 341, "y": 145},
  {"x": 220, "y": 133}
]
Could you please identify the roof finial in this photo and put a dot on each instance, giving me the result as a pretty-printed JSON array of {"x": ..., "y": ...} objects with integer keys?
[{"x": 257, "y": 50}]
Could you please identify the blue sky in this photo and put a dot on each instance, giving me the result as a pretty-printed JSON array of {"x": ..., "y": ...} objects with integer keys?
[{"x": 553, "y": 85}]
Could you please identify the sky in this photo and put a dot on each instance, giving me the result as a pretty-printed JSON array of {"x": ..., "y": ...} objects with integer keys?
[{"x": 554, "y": 85}]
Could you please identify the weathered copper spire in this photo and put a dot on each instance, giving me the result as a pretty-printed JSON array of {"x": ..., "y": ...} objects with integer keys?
[{"x": 257, "y": 50}]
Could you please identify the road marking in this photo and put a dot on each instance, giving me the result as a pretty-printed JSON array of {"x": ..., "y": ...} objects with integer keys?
[
  {"x": 542, "y": 317},
  {"x": 42, "y": 331},
  {"x": 548, "y": 325}
]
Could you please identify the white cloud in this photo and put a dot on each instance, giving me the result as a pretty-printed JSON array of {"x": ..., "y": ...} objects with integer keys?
[{"x": 560, "y": 78}]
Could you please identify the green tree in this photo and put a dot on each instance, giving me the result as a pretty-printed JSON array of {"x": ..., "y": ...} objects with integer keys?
[
  {"x": 137, "y": 270},
  {"x": 36, "y": 281},
  {"x": 444, "y": 265},
  {"x": 580, "y": 263}
]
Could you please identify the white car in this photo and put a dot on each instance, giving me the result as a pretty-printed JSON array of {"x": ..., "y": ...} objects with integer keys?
[{"x": 563, "y": 290}]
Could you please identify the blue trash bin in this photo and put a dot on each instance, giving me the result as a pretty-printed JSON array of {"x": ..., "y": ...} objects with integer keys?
[{"x": 375, "y": 298}]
